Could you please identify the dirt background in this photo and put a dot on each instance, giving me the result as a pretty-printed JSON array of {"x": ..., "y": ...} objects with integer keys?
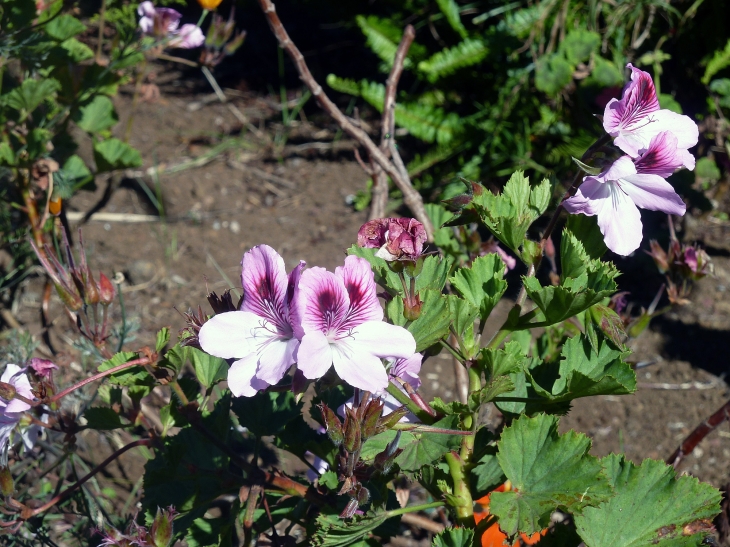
[{"x": 297, "y": 198}]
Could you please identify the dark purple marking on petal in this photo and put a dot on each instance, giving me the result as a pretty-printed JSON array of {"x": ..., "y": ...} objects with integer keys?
[
  {"x": 639, "y": 98},
  {"x": 661, "y": 158}
]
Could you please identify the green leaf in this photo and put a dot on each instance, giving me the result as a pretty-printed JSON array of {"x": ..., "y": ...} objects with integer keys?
[
  {"x": 707, "y": 170},
  {"x": 499, "y": 362},
  {"x": 332, "y": 531},
  {"x": 451, "y": 10},
  {"x": 586, "y": 230},
  {"x": 547, "y": 471},
  {"x": 163, "y": 337},
  {"x": 132, "y": 376},
  {"x": 499, "y": 385},
  {"x": 7, "y": 155},
  {"x": 454, "y": 537},
  {"x": 103, "y": 418},
  {"x": 376, "y": 444},
  {"x": 329, "y": 480},
  {"x": 266, "y": 413},
  {"x": 719, "y": 61},
  {"x": 433, "y": 323},
  {"x": 443, "y": 237},
  {"x": 509, "y": 214},
  {"x": 553, "y": 73},
  {"x": 75, "y": 173},
  {"x": 96, "y": 116},
  {"x": 604, "y": 73},
  {"x": 381, "y": 38},
  {"x": 30, "y": 94},
  {"x": 487, "y": 474},
  {"x": 429, "y": 447},
  {"x": 64, "y": 27},
  {"x": 74, "y": 51},
  {"x": 609, "y": 323},
  {"x": 584, "y": 282},
  {"x": 482, "y": 284},
  {"x": 447, "y": 61},
  {"x": 586, "y": 168},
  {"x": 579, "y": 44},
  {"x": 208, "y": 369},
  {"x": 464, "y": 314},
  {"x": 651, "y": 507},
  {"x": 114, "y": 154}
]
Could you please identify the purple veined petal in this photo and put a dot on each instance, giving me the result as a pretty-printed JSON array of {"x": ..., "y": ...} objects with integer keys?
[
  {"x": 228, "y": 335},
  {"x": 146, "y": 9},
  {"x": 620, "y": 222},
  {"x": 293, "y": 283},
  {"x": 637, "y": 101},
  {"x": 242, "y": 380},
  {"x": 661, "y": 157},
  {"x": 322, "y": 303},
  {"x": 620, "y": 169},
  {"x": 652, "y": 192},
  {"x": 17, "y": 377},
  {"x": 166, "y": 20},
  {"x": 589, "y": 198},
  {"x": 276, "y": 359},
  {"x": 314, "y": 356},
  {"x": 188, "y": 37},
  {"x": 383, "y": 339},
  {"x": 407, "y": 369},
  {"x": 7, "y": 424},
  {"x": 264, "y": 280},
  {"x": 357, "y": 366},
  {"x": 359, "y": 281}
]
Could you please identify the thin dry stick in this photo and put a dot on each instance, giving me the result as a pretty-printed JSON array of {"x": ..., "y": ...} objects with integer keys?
[
  {"x": 700, "y": 432},
  {"x": 387, "y": 139},
  {"x": 410, "y": 196}
]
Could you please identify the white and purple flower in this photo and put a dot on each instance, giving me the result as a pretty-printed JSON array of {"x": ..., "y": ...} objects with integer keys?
[
  {"x": 636, "y": 119},
  {"x": 11, "y": 411},
  {"x": 340, "y": 322},
  {"x": 164, "y": 23},
  {"x": 614, "y": 195},
  {"x": 261, "y": 335}
]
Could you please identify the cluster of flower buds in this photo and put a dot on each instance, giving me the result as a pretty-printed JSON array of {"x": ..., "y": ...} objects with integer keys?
[
  {"x": 220, "y": 40},
  {"x": 77, "y": 288},
  {"x": 681, "y": 264},
  {"x": 159, "y": 535},
  {"x": 362, "y": 421}
]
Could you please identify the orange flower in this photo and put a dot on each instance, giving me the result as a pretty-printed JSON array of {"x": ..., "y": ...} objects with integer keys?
[
  {"x": 209, "y": 4},
  {"x": 494, "y": 536}
]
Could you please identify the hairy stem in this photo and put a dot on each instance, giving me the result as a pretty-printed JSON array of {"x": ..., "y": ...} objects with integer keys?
[{"x": 136, "y": 362}]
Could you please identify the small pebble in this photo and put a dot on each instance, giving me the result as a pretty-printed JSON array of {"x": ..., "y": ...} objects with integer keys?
[
  {"x": 235, "y": 227},
  {"x": 107, "y": 226},
  {"x": 216, "y": 225}
]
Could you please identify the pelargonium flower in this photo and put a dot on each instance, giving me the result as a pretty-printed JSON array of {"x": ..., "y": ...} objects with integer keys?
[
  {"x": 636, "y": 119},
  {"x": 164, "y": 22},
  {"x": 260, "y": 336},
  {"x": 614, "y": 194},
  {"x": 492, "y": 246},
  {"x": 11, "y": 411},
  {"x": 407, "y": 369},
  {"x": 340, "y": 322},
  {"x": 395, "y": 238}
]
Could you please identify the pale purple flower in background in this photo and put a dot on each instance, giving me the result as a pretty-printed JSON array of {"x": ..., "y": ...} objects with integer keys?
[
  {"x": 164, "y": 22},
  {"x": 614, "y": 195},
  {"x": 42, "y": 367},
  {"x": 261, "y": 335},
  {"x": 12, "y": 411},
  {"x": 407, "y": 369},
  {"x": 340, "y": 322},
  {"x": 636, "y": 119},
  {"x": 395, "y": 238},
  {"x": 492, "y": 246}
]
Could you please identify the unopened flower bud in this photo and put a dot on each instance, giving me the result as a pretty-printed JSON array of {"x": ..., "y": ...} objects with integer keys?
[
  {"x": 107, "y": 293},
  {"x": 91, "y": 290},
  {"x": 161, "y": 530},
  {"x": 362, "y": 496},
  {"x": 70, "y": 297},
  {"x": 659, "y": 256},
  {"x": 412, "y": 308},
  {"x": 332, "y": 424},
  {"x": 353, "y": 438},
  {"x": 349, "y": 509},
  {"x": 7, "y": 486},
  {"x": 387, "y": 422},
  {"x": 370, "y": 421},
  {"x": 231, "y": 47},
  {"x": 7, "y": 391}
]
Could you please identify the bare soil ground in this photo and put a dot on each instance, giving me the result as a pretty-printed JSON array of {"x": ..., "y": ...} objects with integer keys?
[{"x": 299, "y": 205}]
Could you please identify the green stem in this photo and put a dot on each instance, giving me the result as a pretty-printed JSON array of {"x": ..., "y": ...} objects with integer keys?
[
  {"x": 413, "y": 509},
  {"x": 404, "y": 399},
  {"x": 420, "y": 428},
  {"x": 180, "y": 393},
  {"x": 461, "y": 501},
  {"x": 453, "y": 351}
]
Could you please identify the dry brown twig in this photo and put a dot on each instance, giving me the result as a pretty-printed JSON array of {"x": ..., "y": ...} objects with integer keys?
[{"x": 411, "y": 197}]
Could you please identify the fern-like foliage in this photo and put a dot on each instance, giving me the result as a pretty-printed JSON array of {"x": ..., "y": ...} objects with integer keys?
[
  {"x": 450, "y": 9},
  {"x": 424, "y": 121},
  {"x": 382, "y": 38},
  {"x": 447, "y": 61},
  {"x": 719, "y": 61}
]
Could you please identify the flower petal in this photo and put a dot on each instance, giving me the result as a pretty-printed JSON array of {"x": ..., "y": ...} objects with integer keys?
[
  {"x": 321, "y": 304},
  {"x": 359, "y": 281},
  {"x": 679, "y": 125},
  {"x": 589, "y": 198},
  {"x": 265, "y": 283},
  {"x": 620, "y": 222},
  {"x": 384, "y": 340},
  {"x": 407, "y": 369},
  {"x": 357, "y": 366},
  {"x": 229, "y": 334},
  {"x": 242, "y": 380},
  {"x": 276, "y": 360},
  {"x": 637, "y": 101},
  {"x": 654, "y": 193},
  {"x": 314, "y": 356},
  {"x": 661, "y": 157},
  {"x": 189, "y": 36},
  {"x": 17, "y": 377}
]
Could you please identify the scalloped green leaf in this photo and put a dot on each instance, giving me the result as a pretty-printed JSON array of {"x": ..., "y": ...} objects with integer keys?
[
  {"x": 548, "y": 471},
  {"x": 114, "y": 154},
  {"x": 454, "y": 537},
  {"x": 429, "y": 447},
  {"x": 482, "y": 284},
  {"x": 651, "y": 507},
  {"x": 433, "y": 323},
  {"x": 132, "y": 376},
  {"x": 96, "y": 116}
]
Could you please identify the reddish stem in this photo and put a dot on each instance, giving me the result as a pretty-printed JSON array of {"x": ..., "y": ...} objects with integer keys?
[
  {"x": 699, "y": 433},
  {"x": 82, "y": 383}
]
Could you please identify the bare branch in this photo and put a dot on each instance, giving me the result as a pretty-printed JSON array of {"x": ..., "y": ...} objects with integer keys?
[
  {"x": 410, "y": 196},
  {"x": 699, "y": 433}
]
